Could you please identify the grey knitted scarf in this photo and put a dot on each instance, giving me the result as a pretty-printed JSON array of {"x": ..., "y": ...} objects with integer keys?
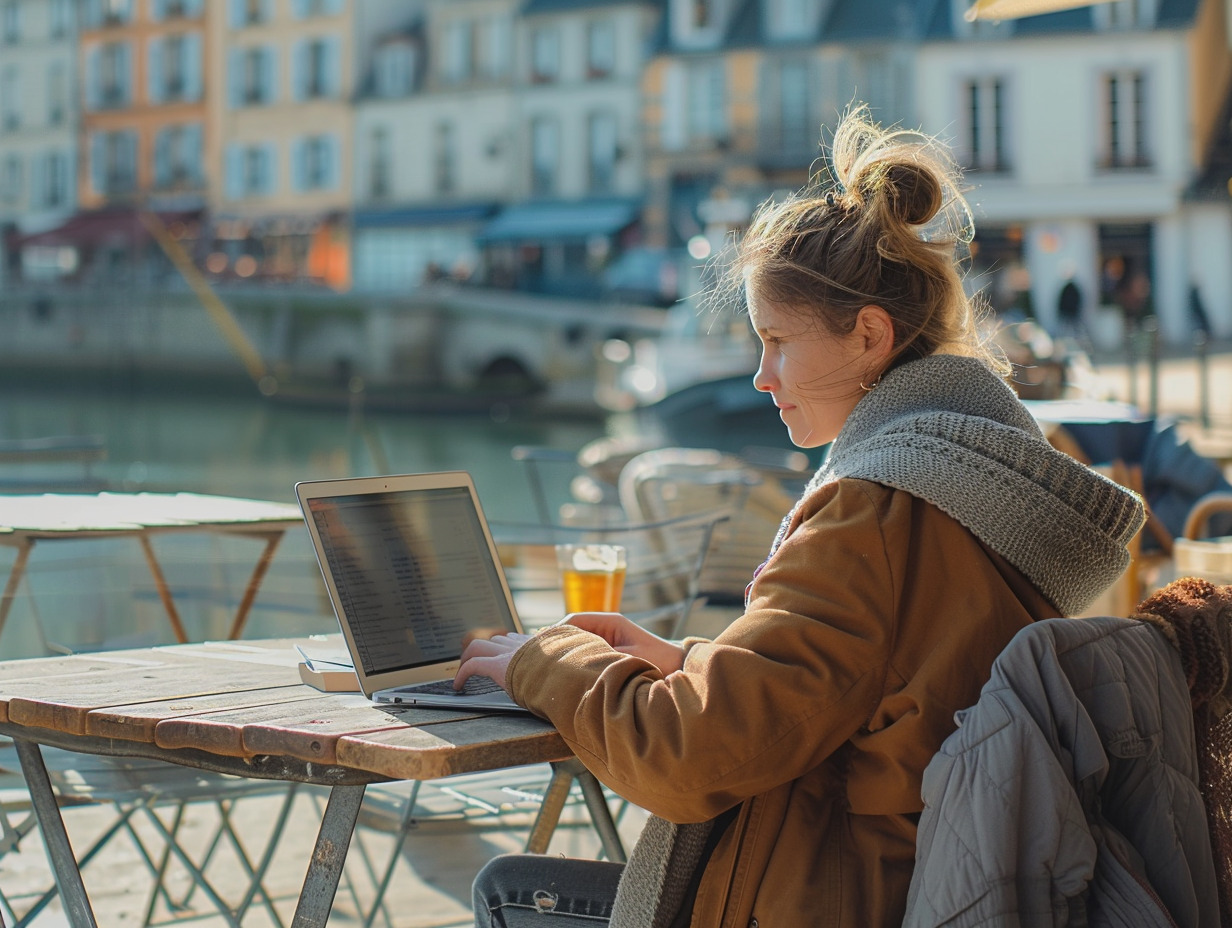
[{"x": 949, "y": 431}]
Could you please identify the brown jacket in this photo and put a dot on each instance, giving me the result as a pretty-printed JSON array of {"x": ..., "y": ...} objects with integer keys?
[{"x": 816, "y": 711}]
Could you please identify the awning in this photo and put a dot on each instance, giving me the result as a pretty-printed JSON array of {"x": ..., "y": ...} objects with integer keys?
[
  {"x": 575, "y": 220},
  {"x": 423, "y": 216},
  {"x": 85, "y": 230}
]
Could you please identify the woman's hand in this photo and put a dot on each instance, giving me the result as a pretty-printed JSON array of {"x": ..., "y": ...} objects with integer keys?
[
  {"x": 488, "y": 657},
  {"x": 628, "y": 637}
]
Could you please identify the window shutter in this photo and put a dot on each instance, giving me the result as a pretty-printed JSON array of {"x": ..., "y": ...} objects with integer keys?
[
  {"x": 672, "y": 127},
  {"x": 235, "y": 77},
  {"x": 235, "y": 13},
  {"x": 334, "y": 7},
  {"x": 162, "y": 158},
  {"x": 269, "y": 74},
  {"x": 154, "y": 71},
  {"x": 194, "y": 139},
  {"x": 94, "y": 78},
  {"x": 98, "y": 162},
  {"x": 233, "y": 169},
  {"x": 333, "y": 162},
  {"x": 299, "y": 9},
  {"x": 269, "y": 168},
  {"x": 39, "y": 197},
  {"x": 298, "y": 175},
  {"x": 124, "y": 67},
  {"x": 333, "y": 68},
  {"x": 193, "y": 82},
  {"x": 158, "y": 10},
  {"x": 299, "y": 70},
  {"x": 194, "y": 8}
]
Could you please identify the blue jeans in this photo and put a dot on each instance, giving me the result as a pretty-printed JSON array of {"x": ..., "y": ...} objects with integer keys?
[{"x": 521, "y": 890}]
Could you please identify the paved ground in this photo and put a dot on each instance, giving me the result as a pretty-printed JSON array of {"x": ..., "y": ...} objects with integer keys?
[{"x": 430, "y": 888}]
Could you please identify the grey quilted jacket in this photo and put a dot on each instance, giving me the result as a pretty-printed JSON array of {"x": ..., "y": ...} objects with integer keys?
[{"x": 1069, "y": 793}]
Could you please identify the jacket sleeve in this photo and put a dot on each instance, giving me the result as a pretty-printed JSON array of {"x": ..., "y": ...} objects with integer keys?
[{"x": 768, "y": 700}]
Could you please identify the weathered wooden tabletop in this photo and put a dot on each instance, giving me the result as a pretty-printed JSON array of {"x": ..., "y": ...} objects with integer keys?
[{"x": 239, "y": 706}]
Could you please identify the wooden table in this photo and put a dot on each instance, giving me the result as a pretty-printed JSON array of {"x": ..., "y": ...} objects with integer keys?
[
  {"x": 239, "y": 708},
  {"x": 28, "y": 519}
]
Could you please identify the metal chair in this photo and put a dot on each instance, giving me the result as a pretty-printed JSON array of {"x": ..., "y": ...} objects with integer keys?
[
  {"x": 137, "y": 790},
  {"x": 754, "y": 493}
]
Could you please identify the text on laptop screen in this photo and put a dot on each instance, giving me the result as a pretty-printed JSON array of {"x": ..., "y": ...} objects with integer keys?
[{"x": 413, "y": 574}]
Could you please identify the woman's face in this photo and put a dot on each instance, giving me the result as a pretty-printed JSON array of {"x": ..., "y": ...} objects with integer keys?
[{"x": 814, "y": 377}]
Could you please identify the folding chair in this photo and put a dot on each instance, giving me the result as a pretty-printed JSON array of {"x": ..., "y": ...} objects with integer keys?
[
  {"x": 136, "y": 790},
  {"x": 753, "y": 492}
]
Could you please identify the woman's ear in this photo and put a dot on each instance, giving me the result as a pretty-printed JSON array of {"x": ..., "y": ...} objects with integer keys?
[{"x": 876, "y": 329}]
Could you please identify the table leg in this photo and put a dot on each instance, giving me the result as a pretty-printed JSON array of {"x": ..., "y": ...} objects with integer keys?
[
  {"x": 15, "y": 575},
  {"x": 55, "y": 837},
  {"x": 254, "y": 583},
  {"x": 550, "y": 809},
  {"x": 325, "y": 869},
  {"x": 164, "y": 593}
]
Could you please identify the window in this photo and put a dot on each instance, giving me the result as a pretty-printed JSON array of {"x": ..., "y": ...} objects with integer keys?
[
  {"x": 705, "y": 115},
  {"x": 394, "y": 69},
  {"x": 544, "y": 155},
  {"x": 379, "y": 180},
  {"x": 498, "y": 48},
  {"x": 57, "y": 93},
  {"x": 61, "y": 18},
  {"x": 444, "y": 160},
  {"x": 248, "y": 170},
  {"x": 10, "y": 99},
  {"x": 702, "y": 14},
  {"x": 254, "y": 12},
  {"x": 1125, "y": 14},
  {"x": 317, "y": 75},
  {"x": 113, "y": 75},
  {"x": 986, "y": 125},
  {"x": 459, "y": 51},
  {"x": 316, "y": 163},
  {"x": 1125, "y": 112},
  {"x": 254, "y": 79},
  {"x": 602, "y": 150},
  {"x": 10, "y": 179},
  {"x": 545, "y": 55},
  {"x": 796, "y": 131},
  {"x": 113, "y": 162},
  {"x": 173, "y": 67},
  {"x": 600, "y": 49},
  {"x": 792, "y": 19},
  {"x": 698, "y": 23},
  {"x": 54, "y": 192},
  {"x": 10, "y": 22},
  {"x": 177, "y": 157},
  {"x": 257, "y": 169}
]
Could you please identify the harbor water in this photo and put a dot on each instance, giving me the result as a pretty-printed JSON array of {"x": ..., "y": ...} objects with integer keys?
[{"x": 93, "y": 594}]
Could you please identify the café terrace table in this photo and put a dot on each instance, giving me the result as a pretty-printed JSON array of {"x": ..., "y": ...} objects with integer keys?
[
  {"x": 28, "y": 519},
  {"x": 239, "y": 708}
]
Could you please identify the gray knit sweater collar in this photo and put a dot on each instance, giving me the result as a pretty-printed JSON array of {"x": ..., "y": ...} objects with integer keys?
[{"x": 948, "y": 430}]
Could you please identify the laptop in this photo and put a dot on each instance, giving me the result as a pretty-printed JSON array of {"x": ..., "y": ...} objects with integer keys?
[{"x": 413, "y": 574}]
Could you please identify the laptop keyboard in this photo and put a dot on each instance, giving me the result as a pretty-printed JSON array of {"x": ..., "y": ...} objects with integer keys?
[{"x": 474, "y": 686}]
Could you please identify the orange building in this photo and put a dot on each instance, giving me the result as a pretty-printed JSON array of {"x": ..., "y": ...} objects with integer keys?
[{"x": 143, "y": 103}]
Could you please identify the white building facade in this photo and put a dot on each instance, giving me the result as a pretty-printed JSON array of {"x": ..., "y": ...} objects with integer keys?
[
  {"x": 1083, "y": 142},
  {"x": 39, "y": 116}
]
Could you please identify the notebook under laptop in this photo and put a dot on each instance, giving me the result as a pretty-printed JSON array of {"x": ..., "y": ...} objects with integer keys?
[{"x": 413, "y": 574}]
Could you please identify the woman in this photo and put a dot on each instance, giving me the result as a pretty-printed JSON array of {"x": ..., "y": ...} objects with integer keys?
[{"x": 941, "y": 523}]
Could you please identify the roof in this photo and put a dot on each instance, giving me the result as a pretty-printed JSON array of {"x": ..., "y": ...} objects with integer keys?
[
  {"x": 562, "y": 220},
  {"x": 1171, "y": 14}
]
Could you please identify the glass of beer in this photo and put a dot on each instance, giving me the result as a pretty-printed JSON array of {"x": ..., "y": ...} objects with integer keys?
[{"x": 592, "y": 576}]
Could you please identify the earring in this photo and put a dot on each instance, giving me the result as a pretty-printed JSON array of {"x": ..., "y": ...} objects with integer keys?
[{"x": 869, "y": 389}]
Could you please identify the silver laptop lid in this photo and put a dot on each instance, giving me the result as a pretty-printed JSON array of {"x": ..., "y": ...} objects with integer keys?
[{"x": 411, "y": 570}]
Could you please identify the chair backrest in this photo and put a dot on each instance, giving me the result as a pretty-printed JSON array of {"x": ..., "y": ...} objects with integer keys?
[
  {"x": 673, "y": 482},
  {"x": 664, "y": 562}
]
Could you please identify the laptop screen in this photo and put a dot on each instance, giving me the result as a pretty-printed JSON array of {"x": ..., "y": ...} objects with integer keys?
[{"x": 413, "y": 573}]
